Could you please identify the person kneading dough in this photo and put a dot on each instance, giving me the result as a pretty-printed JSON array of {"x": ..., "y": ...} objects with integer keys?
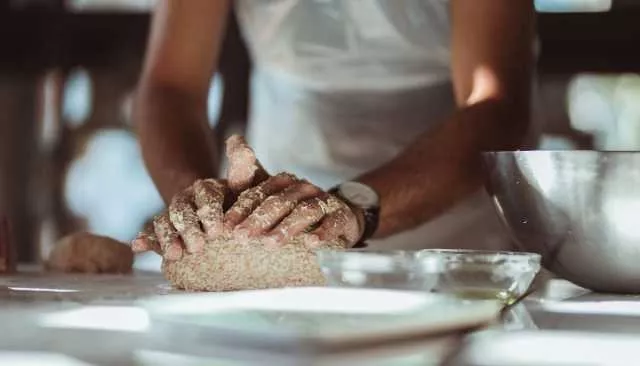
[
  {"x": 265, "y": 236},
  {"x": 88, "y": 253}
]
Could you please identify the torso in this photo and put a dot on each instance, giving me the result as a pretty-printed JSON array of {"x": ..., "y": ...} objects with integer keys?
[
  {"x": 349, "y": 45},
  {"x": 342, "y": 86}
]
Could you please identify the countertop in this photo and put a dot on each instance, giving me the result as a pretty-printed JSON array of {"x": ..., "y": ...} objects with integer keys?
[{"x": 28, "y": 298}]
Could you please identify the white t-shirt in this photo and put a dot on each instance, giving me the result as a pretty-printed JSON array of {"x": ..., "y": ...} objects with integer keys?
[{"x": 341, "y": 86}]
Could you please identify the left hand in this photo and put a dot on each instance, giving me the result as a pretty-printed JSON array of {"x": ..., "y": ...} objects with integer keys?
[
  {"x": 193, "y": 216},
  {"x": 282, "y": 206}
]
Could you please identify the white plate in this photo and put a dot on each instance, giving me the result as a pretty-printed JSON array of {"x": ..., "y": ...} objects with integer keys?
[
  {"x": 313, "y": 320},
  {"x": 550, "y": 348}
]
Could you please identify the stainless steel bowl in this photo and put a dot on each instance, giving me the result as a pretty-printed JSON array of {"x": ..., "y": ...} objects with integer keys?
[{"x": 579, "y": 209}]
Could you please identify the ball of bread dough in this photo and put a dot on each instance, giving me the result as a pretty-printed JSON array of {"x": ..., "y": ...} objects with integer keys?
[
  {"x": 227, "y": 265},
  {"x": 88, "y": 253}
]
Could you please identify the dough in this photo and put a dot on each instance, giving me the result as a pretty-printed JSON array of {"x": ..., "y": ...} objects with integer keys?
[
  {"x": 227, "y": 265},
  {"x": 88, "y": 253}
]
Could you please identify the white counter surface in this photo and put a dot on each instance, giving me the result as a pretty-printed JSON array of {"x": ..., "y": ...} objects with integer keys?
[{"x": 28, "y": 299}]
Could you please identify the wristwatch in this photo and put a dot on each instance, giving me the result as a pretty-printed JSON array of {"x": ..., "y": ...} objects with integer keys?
[{"x": 365, "y": 198}]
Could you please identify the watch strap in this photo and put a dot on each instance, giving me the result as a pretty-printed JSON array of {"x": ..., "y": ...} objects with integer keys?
[{"x": 371, "y": 218}]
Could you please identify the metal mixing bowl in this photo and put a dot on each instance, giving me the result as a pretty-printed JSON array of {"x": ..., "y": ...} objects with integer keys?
[{"x": 579, "y": 209}]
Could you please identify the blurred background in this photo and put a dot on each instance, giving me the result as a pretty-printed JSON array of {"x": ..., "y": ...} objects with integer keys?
[{"x": 69, "y": 159}]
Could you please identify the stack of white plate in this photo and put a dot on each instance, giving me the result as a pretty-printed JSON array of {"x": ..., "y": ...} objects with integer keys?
[{"x": 312, "y": 326}]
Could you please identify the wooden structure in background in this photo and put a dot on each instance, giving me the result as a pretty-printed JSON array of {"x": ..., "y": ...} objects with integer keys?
[
  {"x": 42, "y": 37},
  {"x": 39, "y": 46}
]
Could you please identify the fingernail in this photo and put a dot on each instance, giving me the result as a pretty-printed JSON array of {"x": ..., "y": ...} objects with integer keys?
[
  {"x": 270, "y": 242},
  {"x": 215, "y": 231},
  {"x": 173, "y": 252},
  {"x": 253, "y": 234},
  {"x": 312, "y": 240},
  {"x": 139, "y": 245},
  {"x": 241, "y": 233},
  {"x": 228, "y": 226},
  {"x": 197, "y": 245}
]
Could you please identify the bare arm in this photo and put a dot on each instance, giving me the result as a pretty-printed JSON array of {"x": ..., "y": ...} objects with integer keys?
[
  {"x": 170, "y": 110},
  {"x": 492, "y": 44}
]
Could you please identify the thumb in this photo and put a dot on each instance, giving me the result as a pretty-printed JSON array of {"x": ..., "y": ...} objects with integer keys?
[{"x": 244, "y": 169}]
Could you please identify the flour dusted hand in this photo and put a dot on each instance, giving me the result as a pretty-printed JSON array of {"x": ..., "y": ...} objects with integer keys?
[
  {"x": 194, "y": 216},
  {"x": 267, "y": 236},
  {"x": 87, "y": 253},
  {"x": 283, "y": 207}
]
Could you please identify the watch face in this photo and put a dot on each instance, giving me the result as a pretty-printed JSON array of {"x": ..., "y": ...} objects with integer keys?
[{"x": 359, "y": 194}]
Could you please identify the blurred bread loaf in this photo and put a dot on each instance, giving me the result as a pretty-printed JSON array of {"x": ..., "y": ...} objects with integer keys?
[{"x": 84, "y": 252}]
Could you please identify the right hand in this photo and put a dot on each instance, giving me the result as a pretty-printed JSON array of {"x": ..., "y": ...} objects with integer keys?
[{"x": 274, "y": 209}]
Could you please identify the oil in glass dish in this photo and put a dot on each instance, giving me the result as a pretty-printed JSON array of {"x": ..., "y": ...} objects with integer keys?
[{"x": 507, "y": 297}]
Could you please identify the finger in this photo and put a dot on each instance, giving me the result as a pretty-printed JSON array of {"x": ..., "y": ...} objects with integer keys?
[
  {"x": 185, "y": 220},
  {"x": 229, "y": 196},
  {"x": 209, "y": 200},
  {"x": 170, "y": 243},
  {"x": 276, "y": 207},
  {"x": 306, "y": 214},
  {"x": 244, "y": 170},
  {"x": 251, "y": 198},
  {"x": 146, "y": 241},
  {"x": 339, "y": 224}
]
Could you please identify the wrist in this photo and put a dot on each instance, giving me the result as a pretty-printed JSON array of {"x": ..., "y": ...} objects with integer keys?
[
  {"x": 364, "y": 203},
  {"x": 360, "y": 217}
]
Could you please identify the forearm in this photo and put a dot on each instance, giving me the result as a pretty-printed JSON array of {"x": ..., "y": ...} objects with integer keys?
[
  {"x": 177, "y": 144},
  {"x": 444, "y": 165}
]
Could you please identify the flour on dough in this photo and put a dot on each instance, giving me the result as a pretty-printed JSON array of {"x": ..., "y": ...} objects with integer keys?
[{"x": 228, "y": 265}]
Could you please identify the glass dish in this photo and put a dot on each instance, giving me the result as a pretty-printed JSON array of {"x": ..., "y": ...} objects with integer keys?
[
  {"x": 476, "y": 274},
  {"x": 373, "y": 269}
]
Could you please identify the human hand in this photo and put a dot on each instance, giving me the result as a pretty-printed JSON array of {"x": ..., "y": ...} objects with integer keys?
[
  {"x": 193, "y": 216},
  {"x": 196, "y": 214},
  {"x": 274, "y": 209},
  {"x": 281, "y": 207}
]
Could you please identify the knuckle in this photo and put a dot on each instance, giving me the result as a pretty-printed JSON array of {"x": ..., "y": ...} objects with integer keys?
[
  {"x": 212, "y": 181},
  {"x": 199, "y": 188},
  {"x": 206, "y": 213},
  {"x": 213, "y": 187},
  {"x": 282, "y": 233},
  {"x": 177, "y": 219},
  {"x": 284, "y": 178},
  {"x": 176, "y": 199},
  {"x": 234, "y": 212},
  {"x": 198, "y": 183},
  {"x": 306, "y": 206},
  {"x": 255, "y": 193},
  {"x": 191, "y": 233},
  {"x": 309, "y": 188},
  {"x": 273, "y": 201},
  {"x": 162, "y": 221}
]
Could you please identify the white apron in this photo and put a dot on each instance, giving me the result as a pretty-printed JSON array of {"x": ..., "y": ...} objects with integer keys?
[{"x": 341, "y": 86}]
